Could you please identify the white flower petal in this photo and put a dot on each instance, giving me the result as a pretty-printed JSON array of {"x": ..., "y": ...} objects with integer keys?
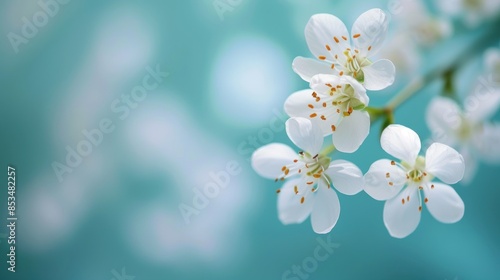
[
  {"x": 318, "y": 83},
  {"x": 383, "y": 180},
  {"x": 326, "y": 209},
  {"x": 345, "y": 176},
  {"x": 400, "y": 142},
  {"x": 487, "y": 142},
  {"x": 322, "y": 84},
  {"x": 359, "y": 89},
  {"x": 296, "y": 104},
  {"x": 492, "y": 60},
  {"x": 443, "y": 117},
  {"x": 445, "y": 163},
  {"x": 401, "y": 219},
  {"x": 321, "y": 30},
  {"x": 305, "y": 134},
  {"x": 372, "y": 28},
  {"x": 444, "y": 203},
  {"x": 482, "y": 102},
  {"x": 379, "y": 75},
  {"x": 290, "y": 210},
  {"x": 268, "y": 160},
  {"x": 307, "y": 68},
  {"x": 351, "y": 132}
]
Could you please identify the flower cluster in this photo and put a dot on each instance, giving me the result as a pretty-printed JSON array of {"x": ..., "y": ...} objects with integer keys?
[
  {"x": 343, "y": 70},
  {"x": 466, "y": 126},
  {"x": 339, "y": 76}
]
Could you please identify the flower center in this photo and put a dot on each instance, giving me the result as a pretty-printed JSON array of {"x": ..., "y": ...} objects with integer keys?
[
  {"x": 354, "y": 64},
  {"x": 340, "y": 99},
  {"x": 306, "y": 164},
  {"x": 311, "y": 168},
  {"x": 416, "y": 172},
  {"x": 346, "y": 101},
  {"x": 465, "y": 131}
]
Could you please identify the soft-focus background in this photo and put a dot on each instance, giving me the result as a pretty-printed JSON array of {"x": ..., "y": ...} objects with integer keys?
[{"x": 118, "y": 213}]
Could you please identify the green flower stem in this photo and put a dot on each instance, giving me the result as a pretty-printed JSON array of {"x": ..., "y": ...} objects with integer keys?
[
  {"x": 328, "y": 150},
  {"x": 406, "y": 93},
  {"x": 375, "y": 113}
]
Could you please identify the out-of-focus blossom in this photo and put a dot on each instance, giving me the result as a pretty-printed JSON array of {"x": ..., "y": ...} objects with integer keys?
[
  {"x": 403, "y": 52},
  {"x": 415, "y": 28},
  {"x": 472, "y": 11},
  {"x": 413, "y": 18},
  {"x": 492, "y": 64},
  {"x": 406, "y": 183},
  {"x": 468, "y": 129}
]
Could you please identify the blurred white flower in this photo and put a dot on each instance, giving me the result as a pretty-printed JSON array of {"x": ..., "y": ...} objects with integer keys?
[
  {"x": 468, "y": 129},
  {"x": 403, "y": 52},
  {"x": 309, "y": 193},
  {"x": 492, "y": 64},
  {"x": 402, "y": 184},
  {"x": 335, "y": 103},
  {"x": 415, "y": 28},
  {"x": 472, "y": 11},
  {"x": 329, "y": 41},
  {"x": 413, "y": 18}
]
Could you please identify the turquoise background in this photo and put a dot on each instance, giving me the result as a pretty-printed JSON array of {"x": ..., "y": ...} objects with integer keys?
[{"x": 120, "y": 207}]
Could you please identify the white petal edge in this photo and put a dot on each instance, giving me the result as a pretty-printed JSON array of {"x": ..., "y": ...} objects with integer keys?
[
  {"x": 401, "y": 142},
  {"x": 296, "y": 103},
  {"x": 318, "y": 83},
  {"x": 305, "y": 134},
  {"x": 321, "y": 29},
  {"x": 268, "y": 160},
  {"x": 307, "y": 68},
  {"x": 290, "y": 210},
  {"x": 444, "y": 203},
  {"x": 445, "y": 163},
  {"x": 471, "y": 164},
  {"x": 401, "y": 219},
  {"x": 378, "y": 183},
  {"x": 379, "y": 75},
  {"x": 345, "y": 176},
  {"x": 326, "y": 210},
  {"x": 372, "y": 27},
  {"x": 351, "y": 132}
]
